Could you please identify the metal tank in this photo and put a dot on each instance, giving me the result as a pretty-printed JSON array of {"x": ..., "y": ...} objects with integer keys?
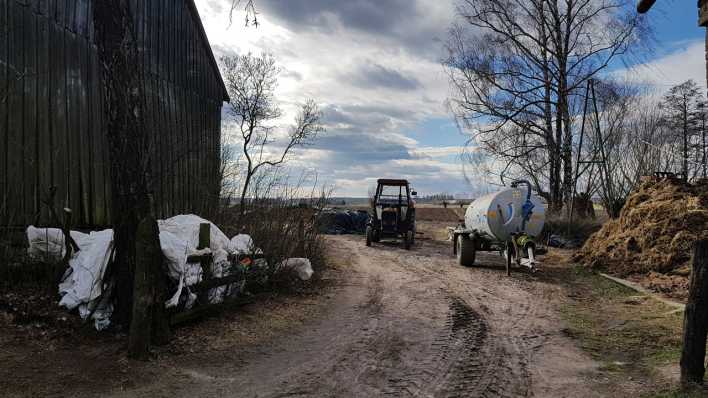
[{"x": 500, "y": 214}]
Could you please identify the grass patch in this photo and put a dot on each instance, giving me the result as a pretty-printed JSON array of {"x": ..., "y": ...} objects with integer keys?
[{"x": 631, "y": 335}]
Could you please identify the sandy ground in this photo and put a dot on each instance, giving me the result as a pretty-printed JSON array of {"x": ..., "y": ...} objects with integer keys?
[
  {"x": 395, "y": 323},
  {"x": 402, "y": 323}
]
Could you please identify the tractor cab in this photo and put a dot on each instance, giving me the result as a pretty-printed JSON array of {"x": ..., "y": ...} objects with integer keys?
[{"x": 393, "y": 212}]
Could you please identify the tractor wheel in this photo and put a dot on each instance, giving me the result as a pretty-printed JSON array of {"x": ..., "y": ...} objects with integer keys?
[
  {"x": 466, "y": 251},
  {"x": 376, "y": 238},
  {"x": 408, "y": 240},
  {"x": 369, "y": 235}
]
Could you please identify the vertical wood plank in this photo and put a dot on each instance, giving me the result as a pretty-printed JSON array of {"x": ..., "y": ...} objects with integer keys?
[
  {"x": 42, "y": 7},
  {"x": 170, "y": 166},
  {"x": 71, "y": 15},
  {"x": 161, "y": 102},
  {"x": 81, "y": 18},
  {"x": 4, "y": 76},
  {"x": 180, "y": 180},
  {"x": 191, "y": 80},
  {"x": 59, "y": 117},
  {"x": 15, "y": 131},
  {"x": 89, "y": 21},
  {"x": 154, "y": 37},
  {"x": 83, "y": 131},
  {"x": 60, "y": 12},
  {"x": 74, "y": 149},
  {"x": 29, "y": 111},
  {"x": 172, "y": 45},
  {"x": 142, "y": 16},
  {"x": 44, "y": 152},
  {"x": 98, "y": 159}
]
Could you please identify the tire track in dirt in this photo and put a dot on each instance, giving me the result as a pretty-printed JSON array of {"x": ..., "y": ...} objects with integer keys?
[
  {"x": 464, "y": 361},
  {"x": 402, "y": 323}
]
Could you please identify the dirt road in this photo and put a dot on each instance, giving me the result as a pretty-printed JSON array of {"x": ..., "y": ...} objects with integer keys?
[{"x": 404, "y": 323}]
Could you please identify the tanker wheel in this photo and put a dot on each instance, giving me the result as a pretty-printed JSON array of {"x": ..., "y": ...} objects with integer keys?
[
  {"x": 376, "y": 237},
  {"x": 408, "y": 240},
  {"x": 369, "y": 235},
  {"x": 466, "y": 251}
]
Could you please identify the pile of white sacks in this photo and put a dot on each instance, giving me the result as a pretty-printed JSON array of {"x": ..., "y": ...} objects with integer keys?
[{"x": 84, "y": 287}]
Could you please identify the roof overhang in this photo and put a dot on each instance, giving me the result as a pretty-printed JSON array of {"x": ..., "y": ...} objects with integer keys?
[{"x": 198, "y": 21}]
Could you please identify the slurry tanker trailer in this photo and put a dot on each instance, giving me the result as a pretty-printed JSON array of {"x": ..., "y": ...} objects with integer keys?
[{"x": 507, "y": 221}]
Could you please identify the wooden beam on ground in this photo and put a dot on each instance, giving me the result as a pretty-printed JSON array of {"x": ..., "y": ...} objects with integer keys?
[
  {"x": 209, "y": 309},
  {"x": 636, "y": 287},
  {"x": 216, "y": 282}
]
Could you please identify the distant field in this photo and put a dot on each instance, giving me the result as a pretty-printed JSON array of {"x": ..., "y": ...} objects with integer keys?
[
  {"x": 425, "y": 212},
  {"x": 430, "y": 213}
]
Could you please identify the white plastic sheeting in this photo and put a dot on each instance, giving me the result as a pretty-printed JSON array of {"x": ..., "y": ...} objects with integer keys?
[
  {"x": 179, "y": 237},
  {"x": 88, "y": 266},
  {"x": 84, "y": 287},
  {"x": 241, "y": 243},
  {"x": 186, "y": 228},
  {"x": 48, "y": 243},
  {"x": 301, "y": 266}
]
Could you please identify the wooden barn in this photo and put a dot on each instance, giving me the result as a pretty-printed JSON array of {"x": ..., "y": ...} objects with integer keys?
[{"x": 51, "y": 124}]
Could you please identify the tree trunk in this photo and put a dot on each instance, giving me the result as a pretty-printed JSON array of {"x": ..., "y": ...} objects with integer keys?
[
  {"x": 122, "y": 80},
  {"x": 244, "y": 191},
  {"x": 695, "y": 321},
  {"x": 148, "y": 271},
  {"x": 685, "y": 141}
]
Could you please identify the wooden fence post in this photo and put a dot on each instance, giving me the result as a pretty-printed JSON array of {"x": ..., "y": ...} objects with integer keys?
[
  {"x": 204, "y": 235},
  {"x": 205, "y": 261},
  {"x": 695, "y": 321},
  {"x": 301, "y": 250}
]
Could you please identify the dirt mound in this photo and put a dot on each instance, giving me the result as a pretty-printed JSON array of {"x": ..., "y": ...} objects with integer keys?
[{"x": 655, "y": 231}]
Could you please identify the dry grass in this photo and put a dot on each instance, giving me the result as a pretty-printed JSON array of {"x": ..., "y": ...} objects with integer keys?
[{"x": 636, "y": 339}]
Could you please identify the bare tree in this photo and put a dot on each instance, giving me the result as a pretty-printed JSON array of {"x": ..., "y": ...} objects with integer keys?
[
  {"x": 516, "y": 68},
  {"x": 249, "y": 8},
  {"x": 680, "y": 105},
  {"x": 251, "y": 81}
]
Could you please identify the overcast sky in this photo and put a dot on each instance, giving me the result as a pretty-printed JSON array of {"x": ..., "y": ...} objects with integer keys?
[{"x": 374, "y": 67}]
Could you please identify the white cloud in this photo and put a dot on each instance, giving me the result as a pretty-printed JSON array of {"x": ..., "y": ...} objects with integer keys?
[
  {"x": 686, "y": 61},
  {"x": 374, "y": 80},
  {"x": 377, "y": 76}
]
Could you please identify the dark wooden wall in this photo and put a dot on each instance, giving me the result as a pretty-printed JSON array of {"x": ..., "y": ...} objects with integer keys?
[{"x": 51, "y": 109}]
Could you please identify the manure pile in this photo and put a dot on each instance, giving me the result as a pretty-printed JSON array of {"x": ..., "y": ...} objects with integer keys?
[{"x": 654, "y": 233}]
